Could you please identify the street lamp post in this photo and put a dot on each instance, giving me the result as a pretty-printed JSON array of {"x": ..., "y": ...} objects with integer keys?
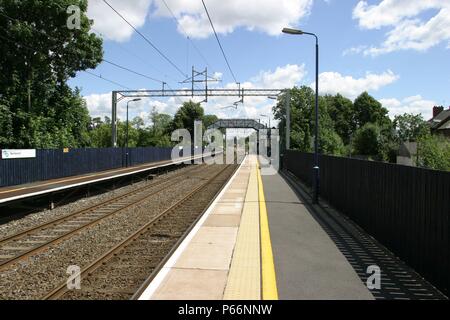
[
  {"x": 127, "y": 150},
  {"x": 316, "y": 169},
  {"x": 265, "y": 116}
]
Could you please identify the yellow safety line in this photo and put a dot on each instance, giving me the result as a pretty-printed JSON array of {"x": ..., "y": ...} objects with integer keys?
[
  {"x": 269, "y": 280},
  {"x": 244, "y": 278}
]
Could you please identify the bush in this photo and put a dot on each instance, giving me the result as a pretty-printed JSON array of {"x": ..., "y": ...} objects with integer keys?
[
  {"x": 367, "y": 141},
  {"x": 434, "y": 152}
]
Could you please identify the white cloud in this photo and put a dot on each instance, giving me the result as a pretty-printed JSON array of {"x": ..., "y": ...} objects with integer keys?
[
  {"x": 282, "y": 77},
  {"x": 110, "y": 25},
  {"x": 414, "y": 104},
  {"x": 269, "y": 16},
  {"x": 408, "y": 30},
  {"x": 99, "y": 105},
  {"x": 354, "y": 50},
  {"x": 334, "y": 82}
]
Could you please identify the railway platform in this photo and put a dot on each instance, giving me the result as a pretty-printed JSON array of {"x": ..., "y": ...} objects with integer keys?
[
  {"x": 262, "y": 239},
  {"x": 35, "y": 189}
]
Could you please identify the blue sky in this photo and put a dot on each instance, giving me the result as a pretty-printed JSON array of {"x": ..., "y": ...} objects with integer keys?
[{"x": 398, "y": 50}]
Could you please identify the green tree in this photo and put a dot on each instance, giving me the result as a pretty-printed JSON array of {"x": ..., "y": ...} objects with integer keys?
[
  {"x": 6, "y": 124},
  {"x": 368, "y": 110},
  {"x": 434, "y": 152},
  {"x": 133, "y": 135},
  {"x": 159, "y": 133},
  {"x": 209, "y": 120},
  {"x": 302, "y": 105},
  {"x": 100, "y": 136},
  {"x": 38, "y": 55},
  {"x": 331, "y": 143},
  {"x": 161, "y": 122},
  {"x": 367, "y": 140},
  {"x": 410, "y": 127},
  {"x": 187, "y": 115},
  {"x": 341, "y": 112}
]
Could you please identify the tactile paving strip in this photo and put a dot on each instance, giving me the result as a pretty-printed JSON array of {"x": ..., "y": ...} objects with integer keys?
[{"x": 244, "y": 280}]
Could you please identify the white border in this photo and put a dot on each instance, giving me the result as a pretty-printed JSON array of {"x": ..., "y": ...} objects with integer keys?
[
  {"x": 162, "y": 274},
  {"x": 28, "y": 195}
]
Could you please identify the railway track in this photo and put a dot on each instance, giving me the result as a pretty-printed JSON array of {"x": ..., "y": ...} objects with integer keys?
[
  {"x": 24, "y": 244},
  {"x": 120, "y": 272}
]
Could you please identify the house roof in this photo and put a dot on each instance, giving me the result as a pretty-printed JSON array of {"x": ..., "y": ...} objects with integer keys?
[{"x": 442, "y": 118}]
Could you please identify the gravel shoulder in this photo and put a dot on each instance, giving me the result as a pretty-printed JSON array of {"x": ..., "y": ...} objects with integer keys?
[{"x": 34, "y": 277}]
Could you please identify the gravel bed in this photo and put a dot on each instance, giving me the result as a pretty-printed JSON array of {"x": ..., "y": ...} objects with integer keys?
[
  {"x": 41, "y": 217},
  {"x": 120, "y": 277},
  {"x": 36, "y": 276}
]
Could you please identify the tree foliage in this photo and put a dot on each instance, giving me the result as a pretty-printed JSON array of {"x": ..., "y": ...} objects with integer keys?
[
  {"x": 367, "y": 141},
  {"x": 157, "y": 133},
  {"x": 187, "y": 115},
  {"x": 434, "y": 152},
  {"x": 368, "y": 110},
  {"x": 38, "y": 55},
  {"x": 342, "y": 113},
  {"x": 411, "y": 127}
]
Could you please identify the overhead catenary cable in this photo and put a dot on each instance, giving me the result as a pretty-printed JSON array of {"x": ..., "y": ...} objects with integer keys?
[
  {"x": 103, "y": 60},
  {"x": 36, "y": 50},
  {"x": 130, "y": 52},
  {"x": 218, "y": 41},
  {"x": 186, "y": 34},
  {"x": 108, "y": 80},
  {"x": 132, "y": 71},
  {"x": 146, "y": 39}
]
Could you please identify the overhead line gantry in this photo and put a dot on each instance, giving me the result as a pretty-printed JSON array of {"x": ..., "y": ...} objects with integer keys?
[{"x": 239, "y": 92}]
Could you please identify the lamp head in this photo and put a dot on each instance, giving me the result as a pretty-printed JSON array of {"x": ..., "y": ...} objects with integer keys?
[
  {"x": 292, "y": 31},
  {"x": 137, "y": 99}
]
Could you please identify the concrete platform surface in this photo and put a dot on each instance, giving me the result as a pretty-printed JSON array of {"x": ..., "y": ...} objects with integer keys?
[
  {"x": 257, "y": 241},
  {"x": 207, "y": 265},
  {"x": 308, "y": 264}
]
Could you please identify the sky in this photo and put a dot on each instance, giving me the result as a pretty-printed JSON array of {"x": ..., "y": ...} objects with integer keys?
[{"x": 397, "y": 50}]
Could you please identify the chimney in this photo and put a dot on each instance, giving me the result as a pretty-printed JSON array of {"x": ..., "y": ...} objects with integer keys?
[{"x": 437, "y": 110}]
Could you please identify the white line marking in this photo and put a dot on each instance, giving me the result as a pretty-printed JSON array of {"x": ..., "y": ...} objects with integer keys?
[{"x": 29, "y": 195}]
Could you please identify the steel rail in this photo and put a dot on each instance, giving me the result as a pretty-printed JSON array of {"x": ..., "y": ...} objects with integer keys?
[
  {"x": 33, "y": 250},
  {"x": 60, "y": 290},
  {"x": 158, "y": 268}
]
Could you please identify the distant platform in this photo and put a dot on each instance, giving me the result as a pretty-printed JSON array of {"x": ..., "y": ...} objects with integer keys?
[{"x": 20, "y": 192}]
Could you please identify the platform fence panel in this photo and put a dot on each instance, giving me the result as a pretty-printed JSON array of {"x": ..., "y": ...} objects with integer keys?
[
  {"x": 405, "y": 208},
  {"x": 55, "y": 163}
]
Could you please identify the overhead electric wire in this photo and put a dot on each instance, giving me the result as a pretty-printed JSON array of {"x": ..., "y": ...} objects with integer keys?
[
  {"x": 146, "y": 39},
  {"x": 88, "y": 72},
  {"x": 108, "y": 80},
  {"x": 132, "y": 71},
  {"x": 218, "y": 41},
  {"x": 186, "y": 34},
  {"x": 130, "y": 52},
  {"x": 103, "y": 60}
]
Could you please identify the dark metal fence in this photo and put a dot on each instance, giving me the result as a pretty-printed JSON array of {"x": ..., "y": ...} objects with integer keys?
[
  {"x": 405, "y": 208},
  {"x": 54, "y": 163}
]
